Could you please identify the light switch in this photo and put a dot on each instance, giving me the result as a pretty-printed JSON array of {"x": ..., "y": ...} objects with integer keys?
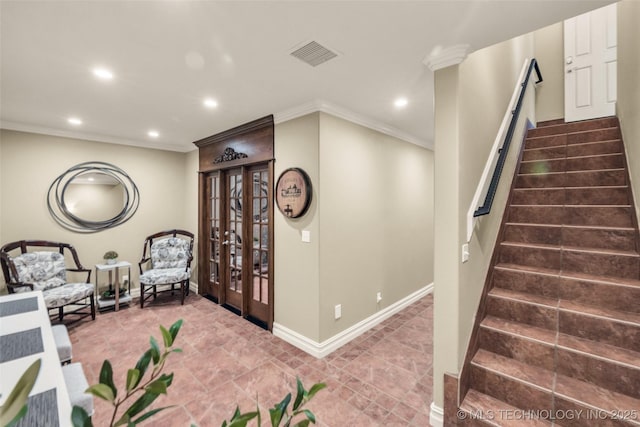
[
  {"x": 306, "y": 236},
  {"x": 465, "y": 252}
]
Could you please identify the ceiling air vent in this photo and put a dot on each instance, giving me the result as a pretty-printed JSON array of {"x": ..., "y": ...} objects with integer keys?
[{"x": 314, "y": 54}]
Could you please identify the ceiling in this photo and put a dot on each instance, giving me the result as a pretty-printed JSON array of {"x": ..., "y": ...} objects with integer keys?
[{"x": 168, "y": 56}]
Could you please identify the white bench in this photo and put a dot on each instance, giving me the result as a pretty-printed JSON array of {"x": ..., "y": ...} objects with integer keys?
[{"x": 76, "y": 385}]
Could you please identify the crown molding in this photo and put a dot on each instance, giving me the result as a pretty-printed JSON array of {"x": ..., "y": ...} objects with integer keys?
[
  {"x": 322, "y": 106},
  {"x": 43, "y": 130},
  {"x": 443, "y": 58}
]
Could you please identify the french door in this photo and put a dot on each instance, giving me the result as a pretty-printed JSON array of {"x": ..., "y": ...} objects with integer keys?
[{"x": 239, "y": 250}]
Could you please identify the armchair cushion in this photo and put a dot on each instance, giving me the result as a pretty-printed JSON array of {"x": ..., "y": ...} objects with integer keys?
[
  {"x": 66, "y": 294},
  {"x": 162, "y": 276},
  {"x": 170, "y": 253},
  {"x": 45, "y": 270}
]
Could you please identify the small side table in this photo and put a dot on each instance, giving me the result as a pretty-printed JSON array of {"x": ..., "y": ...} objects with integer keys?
[{"x": 104, "y": 303}]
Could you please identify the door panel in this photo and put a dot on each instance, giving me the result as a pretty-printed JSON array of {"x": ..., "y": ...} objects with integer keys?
[
  {"x": 258, "y": 306},
  {"x": 590, "y": 64},
  {"x": 213, "y": 189},
  {"x": 233, "y": 239}
]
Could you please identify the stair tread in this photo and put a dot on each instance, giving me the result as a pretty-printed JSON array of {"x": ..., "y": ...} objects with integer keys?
[
  {"x": 575, "y": 227},
  {"x": 633, "y": 254},
  {"x": 519, "y": 371},
  {"x": 478, "y": 402},
  {"x": 571, "y": 171},
  {"x": 610, "y": 352},
  {"x": 615, "y": 315},
  {"x": 524, "y": 297},
  {"x": 587, "y": 156},
  {"x": 619, "y": 281},
  {"x": 572, "y": 145},
  {"x": 594, "y": 396},
  {"x": 512, "y": 327}
]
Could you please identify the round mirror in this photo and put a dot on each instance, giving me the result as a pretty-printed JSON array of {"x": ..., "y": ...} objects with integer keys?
[{"x": 92, "y": 196}]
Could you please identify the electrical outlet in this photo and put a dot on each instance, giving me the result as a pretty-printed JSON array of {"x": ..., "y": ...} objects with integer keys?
[
  {"x": 379, "y": 297},
  {"x": 337, "y": 312}
]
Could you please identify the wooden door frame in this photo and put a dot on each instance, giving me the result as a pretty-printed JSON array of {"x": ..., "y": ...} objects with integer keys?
[{"x": 247, "y": 145}]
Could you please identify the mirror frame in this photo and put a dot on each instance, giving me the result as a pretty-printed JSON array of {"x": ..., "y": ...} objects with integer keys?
[{"x": 63, "y": 216}]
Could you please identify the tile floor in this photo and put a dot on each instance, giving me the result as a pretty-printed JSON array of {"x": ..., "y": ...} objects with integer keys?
[{"x": 382, "y": 378}]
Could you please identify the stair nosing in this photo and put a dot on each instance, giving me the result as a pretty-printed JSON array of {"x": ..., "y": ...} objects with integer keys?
[
  {"x": 515, "y": 334},
  {"x": 570, "y": 275},
  {"x": 573, "y": 145},
  {"x": 598, "y": 357},
  {"x": 566, "y": 248},
  {"x": 572, "y": 206},
  {"x": 511, "y": 377},
  {"x": 553, "y": 305},
  {"x": 588, "y": 227},
  {"x": 558, "y": 159},
  {"x": 599, "y": 316},
  {"x": 570, "y": 188}
]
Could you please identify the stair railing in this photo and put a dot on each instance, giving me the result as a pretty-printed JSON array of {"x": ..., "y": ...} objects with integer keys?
[{"x": 487, "y": 188}]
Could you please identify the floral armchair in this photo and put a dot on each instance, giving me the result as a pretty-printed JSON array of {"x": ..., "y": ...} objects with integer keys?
[
  {"x": 30, "y": 265},
  {"x": 169, "y": 255}
]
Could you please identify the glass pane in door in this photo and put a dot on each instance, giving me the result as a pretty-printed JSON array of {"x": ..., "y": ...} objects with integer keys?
[
  {"x": 233, "y": 233},
  {"x": 214, "y": 237},
  {"x": 260, "y": 236}
]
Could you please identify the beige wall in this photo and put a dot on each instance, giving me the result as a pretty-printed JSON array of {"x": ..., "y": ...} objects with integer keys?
[
  {"x": 628, "y": 105},
  {"x": 191, "y": 165},
  {"x": 549, "y": 51},
  {"x": 376, "y": 211},
  {"x": 30, "y": 163},
  {"x": 297, "y": 264},
  {"x": 370, "y": 222},
  {"x": 468, "y": 116}
]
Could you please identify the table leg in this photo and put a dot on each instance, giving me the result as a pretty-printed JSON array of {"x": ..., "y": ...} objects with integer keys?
[{"x": 117, "y": 285}]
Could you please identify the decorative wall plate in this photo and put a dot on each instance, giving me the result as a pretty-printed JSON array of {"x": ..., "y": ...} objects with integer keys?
[{"x": 293, "y": 192}]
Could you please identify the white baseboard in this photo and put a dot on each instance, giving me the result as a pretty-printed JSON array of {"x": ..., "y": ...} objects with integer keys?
[
  {"x": 321, "y": 349},
  {"x": 436, "y": 415}
]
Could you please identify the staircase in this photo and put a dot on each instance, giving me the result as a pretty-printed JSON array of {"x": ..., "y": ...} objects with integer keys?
[{"x": 560, "y": 332}]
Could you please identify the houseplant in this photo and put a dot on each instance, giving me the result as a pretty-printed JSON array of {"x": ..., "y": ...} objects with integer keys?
[{"x": 110, "y": 257}]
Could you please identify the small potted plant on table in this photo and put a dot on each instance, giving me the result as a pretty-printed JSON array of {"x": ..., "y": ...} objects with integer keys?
[{"x": 110, "y": 257}]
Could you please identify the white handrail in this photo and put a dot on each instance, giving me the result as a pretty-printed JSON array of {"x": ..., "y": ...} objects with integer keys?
[{"x": 485, "y": 179}]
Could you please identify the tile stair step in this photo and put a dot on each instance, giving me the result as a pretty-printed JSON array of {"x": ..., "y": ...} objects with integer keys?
[
  {"x": 619, "y": 216},
  {"x": 580, "y": 178},
  {"x": 580, "y": 397},
  {"x": 555, "y": 128},
  {"x": 580, "y": 163},
  {"x": 615, "y": 238},
  {"x": 605, "y": 325},
  {"x": 600, "y": 195},
  {"x": 518, "y": 384},
  {"x": 523, "y": 307},
  {"x": 495, "y": 412},
  {"x": 618, "y": 355},
  {"x": 551, "y": 122},
  {"x": 607, "y": 262},
  {"x": 618, "y": 294},
  {"x": 574, "y": 150},
  {"x": 593, "y": 135}
]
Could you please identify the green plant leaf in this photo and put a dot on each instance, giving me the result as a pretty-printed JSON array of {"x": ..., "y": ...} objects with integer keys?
[
  {"x": 151, "y": 413},
  {"x": 157, "y": 387},
  {"x": 155, "y": 350},
  {"x": 14, "y": 406},
  {"x": 80, "y": 418},
  {"x": 176, "y": 350},
  {"x": 279, "y": 410},
  {"x": 125, "y": 419},
  {"x": 143, "y": 364},
  {"x": 102, "y": 391},
  {"x": 141, "y": 404},
  {"x": 166, "y": 336},
  {"x": 302, "y": 423},
  {"x": 168, "y": 379},
  {"x": 175, "y": 328},
  {"x": 299, "y": 395},
  {"x": 310, "y": 416},
  {"x": 106, "y": 377},
  {"x": 314, "y": 389},
  {"x": 243, "y": 419},
  {"x": 133, "y": 378}
]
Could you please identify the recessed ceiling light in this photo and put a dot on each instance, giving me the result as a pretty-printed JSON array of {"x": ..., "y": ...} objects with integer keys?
[
  {"x": 91, "y": 179},
  {"x": 74, "y": 121},
  {"x": 210, "y": 103},
  {"x": 400, "y": 102},
  {"x": 153, "y": 133},
  {"x": 103, "y": 73}
]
